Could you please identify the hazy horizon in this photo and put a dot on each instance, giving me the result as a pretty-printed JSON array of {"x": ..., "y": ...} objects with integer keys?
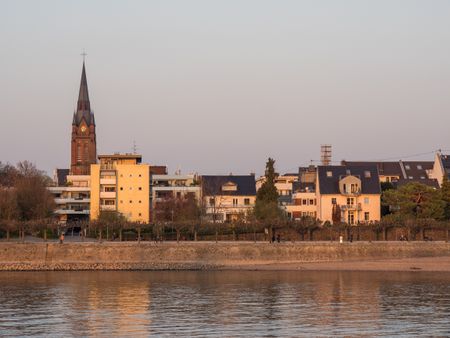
[{"x": 217, "y": 87}]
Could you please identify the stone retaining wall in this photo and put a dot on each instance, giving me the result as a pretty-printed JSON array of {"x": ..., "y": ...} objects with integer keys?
[{"x": 199, "y": 255}]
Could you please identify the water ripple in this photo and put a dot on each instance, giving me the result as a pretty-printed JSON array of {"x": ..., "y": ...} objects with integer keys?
[{"x": 218, "y": 304}]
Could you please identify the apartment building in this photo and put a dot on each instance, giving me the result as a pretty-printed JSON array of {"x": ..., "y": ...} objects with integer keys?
[
  {"x": 349, "y": 194},
  {"x": 228, "y": 198},
  {"x": 121, "y": 183},
  {"x": 72, "y": 196},
  {"x": 304, "y": 201},
  {"x": 164, "y": 187}
]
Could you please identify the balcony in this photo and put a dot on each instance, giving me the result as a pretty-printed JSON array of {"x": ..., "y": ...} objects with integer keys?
[
  {"x": 106, "y": 181},
  {"x": 107, "y": 194},
  {"x": 72, "y": 212},
  {"x": 355, "y": 207},
  {"x": 72, "y": 200},
  {"x": 351, "y": 193},
  {"x": 107, "y": 207}
]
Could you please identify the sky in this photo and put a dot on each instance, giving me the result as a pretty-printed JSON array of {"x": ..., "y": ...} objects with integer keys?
[{"x": 217, "y": 87}]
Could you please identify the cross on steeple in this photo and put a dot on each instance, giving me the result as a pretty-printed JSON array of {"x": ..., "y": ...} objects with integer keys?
[{"x": 83, "y": 55}]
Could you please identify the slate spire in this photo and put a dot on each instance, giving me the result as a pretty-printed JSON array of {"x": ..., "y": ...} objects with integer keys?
[
  {"x": 83, "y": 104},
  {"x": 83, "y": 96}
]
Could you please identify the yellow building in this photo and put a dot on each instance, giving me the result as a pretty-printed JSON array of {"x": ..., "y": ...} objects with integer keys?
[
  {"x": 351, "y": 193},
  {"x": 121, "y": 183}
]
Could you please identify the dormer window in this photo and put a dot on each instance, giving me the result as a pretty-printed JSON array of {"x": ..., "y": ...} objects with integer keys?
[
  {"x": 229, "y": 186},
  {"x": 367, "y": 174},
  {"x": 348, "y": 172},
  {"x": 419, "y": 167},
  {"x": 329, "y": 174},
  {"x": 407, "y": 167}
]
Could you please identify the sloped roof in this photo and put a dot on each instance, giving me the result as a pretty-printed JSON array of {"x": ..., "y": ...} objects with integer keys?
[
  {"x": 303, "y": 186},
  {"x": 212, "y": 184},
  {"x": 330, "y": 184}
]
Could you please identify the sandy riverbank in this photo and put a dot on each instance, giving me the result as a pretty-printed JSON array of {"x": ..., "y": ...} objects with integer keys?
[{"x": 430, "y": 264}]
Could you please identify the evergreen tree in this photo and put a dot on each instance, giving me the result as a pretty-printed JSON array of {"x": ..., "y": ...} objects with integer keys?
[
  {"x": 415, "y": 200},
  {"x": 445, "y": 193},
  {"x": 266, "y": 205}
]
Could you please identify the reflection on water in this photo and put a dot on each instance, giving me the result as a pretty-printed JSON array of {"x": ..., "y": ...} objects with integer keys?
[{"x": 224, "y": 303}]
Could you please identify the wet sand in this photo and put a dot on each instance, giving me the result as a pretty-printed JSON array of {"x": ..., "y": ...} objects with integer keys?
[{"x": 430, "y": 264}]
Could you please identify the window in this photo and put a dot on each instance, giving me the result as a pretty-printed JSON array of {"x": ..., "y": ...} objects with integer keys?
[
  {"x": 246, "y": 201},
  {"x": 121, "y": 188},
  {"x": 366, "y": 216},
  {"x": 140, "y": 188},
  {"x": 354, "y": 188},
  {"x": 419, "y": 167},
  {"x": 410, "y": 177},
  {"x": 178, "y": 194},
  {"x": 348, "y": 172},
  {"x": 131, "y": 201},
  {"x": 350, "y": 201},
  {"x": 110, "y": 189},
  {"x": 367, "y": 174},
  {"x": 140, "y": 201},
  {"x": 351, "y": 217},
  {"x": 304, "y": 202},
  {"x": 235, "y": 201},
  {"x": 407, "y": 167},
  {"x": 140, "y": 175},
  {"x": 311, "y": 202},
  {"x": 140, "y": 214},
  {"x": 211, "y": 201},
  {"x": 366, "y": 200},
  {"x": 333, "y": 201},
  {"x": 329, "y": 174}
]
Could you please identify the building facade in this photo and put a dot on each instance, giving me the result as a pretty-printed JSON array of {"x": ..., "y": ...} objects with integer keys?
[
  {"x": 121, "y": 183},
  {"x": 228, "y": 198},
  {"x": 164, "y": 187},
  {"x": 441, "y": 167},
  {"x": 348, "y": 194},
  {"x": 72, "y": 198}
]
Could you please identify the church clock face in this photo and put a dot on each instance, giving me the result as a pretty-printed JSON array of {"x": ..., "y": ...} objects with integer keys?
[{"x": 83, "y": 129}]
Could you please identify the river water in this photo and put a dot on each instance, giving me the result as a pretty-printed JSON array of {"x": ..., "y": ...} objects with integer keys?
[{"x": 224, "y": 303}]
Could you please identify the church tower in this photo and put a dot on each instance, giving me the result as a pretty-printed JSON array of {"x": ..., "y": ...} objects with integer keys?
[{"x": 84, "y": 147}]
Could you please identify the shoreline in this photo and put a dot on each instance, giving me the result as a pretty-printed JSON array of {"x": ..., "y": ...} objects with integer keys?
[
  {"x": 418, "y": 264},
  {"x": 302, "y": 256}
]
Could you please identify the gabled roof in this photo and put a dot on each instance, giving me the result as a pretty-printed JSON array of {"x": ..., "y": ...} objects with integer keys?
[
  {"x": 431, "y": 182},
  {"x": 330, "y": 184},
  {"x": 212, "y": 184},
  {"x": 407, "y": 171},
  {"x": 445, "y": 159}
]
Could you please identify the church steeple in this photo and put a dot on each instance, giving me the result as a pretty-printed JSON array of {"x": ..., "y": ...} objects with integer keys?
[
  {"x": 84, "y": 145},
  {"x": 83, "y": 96},
  {"x": 83, "y": 104}
]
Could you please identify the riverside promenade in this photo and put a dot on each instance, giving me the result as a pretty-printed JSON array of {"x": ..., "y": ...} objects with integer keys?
[{"x": 239, "y": 255}]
